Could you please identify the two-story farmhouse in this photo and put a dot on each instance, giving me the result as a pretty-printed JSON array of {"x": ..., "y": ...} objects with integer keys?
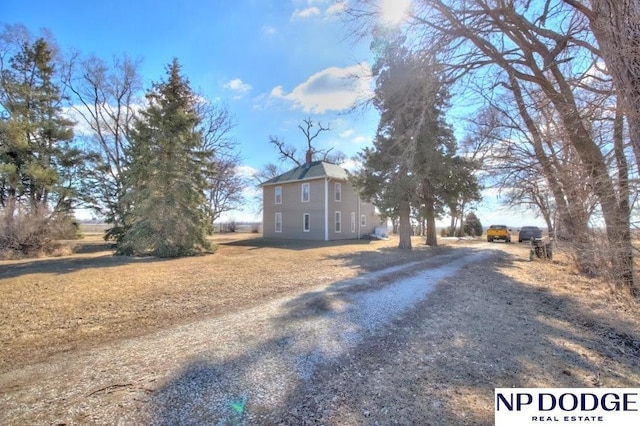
[{"x": 315, "y": 201}]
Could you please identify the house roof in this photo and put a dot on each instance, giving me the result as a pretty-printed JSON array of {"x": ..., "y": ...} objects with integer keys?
[{"x": 314, "y": 170}]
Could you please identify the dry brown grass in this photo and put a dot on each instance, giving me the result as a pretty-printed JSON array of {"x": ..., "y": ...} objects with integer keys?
[
  {"x": 51, "y": 305},
  {"x": 509, "y": 322}
]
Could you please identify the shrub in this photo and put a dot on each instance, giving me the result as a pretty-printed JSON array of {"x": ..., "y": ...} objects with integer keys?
[{"x": 33, "y": 234}]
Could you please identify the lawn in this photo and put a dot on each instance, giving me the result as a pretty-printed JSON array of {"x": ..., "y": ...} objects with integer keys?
[{"x": 53, "y": 305}]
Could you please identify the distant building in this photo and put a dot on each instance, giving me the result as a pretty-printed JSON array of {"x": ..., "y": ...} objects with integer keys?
[{"x": 315, "y": 201}]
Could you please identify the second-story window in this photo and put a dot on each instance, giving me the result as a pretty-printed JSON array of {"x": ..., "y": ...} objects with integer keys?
[
  {"x": 305, "y": 193},
  {"x": 338, "y": 191},
  {"x": 278, "y": 195}
]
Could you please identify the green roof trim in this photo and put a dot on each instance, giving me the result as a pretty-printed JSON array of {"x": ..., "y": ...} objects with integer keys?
[{"x": 314, "y": 170}]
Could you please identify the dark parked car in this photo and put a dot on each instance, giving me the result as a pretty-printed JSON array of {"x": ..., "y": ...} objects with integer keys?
[{"x": 529, "y": 232}]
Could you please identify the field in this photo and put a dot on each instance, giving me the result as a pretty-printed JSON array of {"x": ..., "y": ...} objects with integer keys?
[
  {"x": 53, "y": 305},
  {"x": 508, "y": 322}
]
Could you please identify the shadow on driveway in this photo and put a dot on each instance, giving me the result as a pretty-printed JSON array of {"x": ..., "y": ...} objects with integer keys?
[{"x": 436, "y": 363}]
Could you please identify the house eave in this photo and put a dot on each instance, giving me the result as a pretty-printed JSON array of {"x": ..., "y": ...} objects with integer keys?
[{"x": 301, "y": 180}]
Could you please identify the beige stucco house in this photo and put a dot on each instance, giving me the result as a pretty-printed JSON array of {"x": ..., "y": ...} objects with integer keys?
[{"x": 315, "y": 201}]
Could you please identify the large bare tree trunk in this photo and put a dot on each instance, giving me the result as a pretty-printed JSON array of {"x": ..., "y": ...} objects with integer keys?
[
  {"x": 430, "y": 213},
  {"x": 616, "y": 26},
  {"x": 623, "y": 253},
  {"x": 452, "y": 224},
  {"x": 405, "y": 225}
]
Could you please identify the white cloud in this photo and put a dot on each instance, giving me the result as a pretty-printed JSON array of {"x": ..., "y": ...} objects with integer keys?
[
  {"x": 81, "y": 127},
  {"x": 305, "y": 13},
  {"x": 269, "y": 30},
  {"x": 332, "y": 89},
  {"x": 79, "y": 114},
  {"x": 246, "y": 171},
  {"x": 238, "y": 86},
  {"x": 347, "y": 133},
  {"x": 336, "y": 8},
  {"x": 393, "y": 12},
  {"x": 352, "y": 164},
  {"x": 277, "y": 92},
  {"x": 360, "y": 140}
]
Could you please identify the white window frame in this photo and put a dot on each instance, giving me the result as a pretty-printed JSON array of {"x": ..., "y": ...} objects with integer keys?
[
  {"x": 353, "y": 221},
  {"x": 338, "y": 222},
  {"x": 338, "y": 192},
  {"x": 308, "y": 192},
  {"x": 278, "y": 222},
  {"x": 363, "y": 220},
  {"x": 306, "y": 222},
  {"x": 278, "y": 195}
]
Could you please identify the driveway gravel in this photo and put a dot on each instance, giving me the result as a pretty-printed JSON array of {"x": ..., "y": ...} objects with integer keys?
[
  {"x": 233, "y": 369},
  {"x": 424, "y": 342}
]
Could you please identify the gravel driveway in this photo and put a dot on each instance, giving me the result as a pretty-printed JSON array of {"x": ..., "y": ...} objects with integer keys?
[{"x": 243, "y": 368}]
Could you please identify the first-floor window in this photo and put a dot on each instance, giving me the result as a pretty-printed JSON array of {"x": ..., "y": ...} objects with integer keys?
[
  {"x": 278, "y": 222},
  {"x": 338, "y": 222},
  {"x": 363, "y": 220},
  {"x": 306, "y": 222},
  {"x": 353, "y": 222}
]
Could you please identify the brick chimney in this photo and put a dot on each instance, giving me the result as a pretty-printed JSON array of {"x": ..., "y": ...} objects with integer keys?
[{"x": 309, "y": 158}]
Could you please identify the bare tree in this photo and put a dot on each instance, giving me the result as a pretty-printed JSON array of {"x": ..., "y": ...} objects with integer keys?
[
  {"x": 615, "y": 27},
  {"x": 525, "y": 48},
  {"x": 224, "y": 184},
  {"x": 269, "y": 171},
  {"x": 105, "y": 98},
  {"x": 311, "y": 131}
]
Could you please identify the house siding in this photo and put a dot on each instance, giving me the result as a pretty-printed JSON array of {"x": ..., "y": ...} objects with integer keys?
[
  {"x": 350, "y": 203},
  {"x": 293, "y": 210}
]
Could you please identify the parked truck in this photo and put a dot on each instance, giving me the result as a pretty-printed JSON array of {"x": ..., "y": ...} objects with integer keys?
[{"x": 499, "y": 232}]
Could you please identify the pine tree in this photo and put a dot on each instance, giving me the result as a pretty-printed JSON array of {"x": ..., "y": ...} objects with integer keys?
[
  {"x": 472, "y": 225},
  {"x": 165, "y": 180},
  {"x": 413, "y": 149},
  {"x": 35, "y": 136},
  {"x": 38, "y": 162}
]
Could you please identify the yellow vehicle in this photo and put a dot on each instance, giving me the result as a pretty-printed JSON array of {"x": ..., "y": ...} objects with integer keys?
[{"x": 499, "y": 232}]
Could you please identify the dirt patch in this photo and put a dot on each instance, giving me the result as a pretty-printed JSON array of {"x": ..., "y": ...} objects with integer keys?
[{"x": 507, "y": 322}]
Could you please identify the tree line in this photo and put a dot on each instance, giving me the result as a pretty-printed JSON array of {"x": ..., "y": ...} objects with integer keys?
[
  {"x": 79, "y": 132},
  {"x": 555, "y": 126}
]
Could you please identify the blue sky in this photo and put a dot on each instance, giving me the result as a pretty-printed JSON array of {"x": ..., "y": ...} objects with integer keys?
[{"x": 273, "y": 63}]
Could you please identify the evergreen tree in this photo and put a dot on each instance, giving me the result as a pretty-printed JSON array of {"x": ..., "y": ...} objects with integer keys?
[
  {"x": 39, "y": 166},
  {"x": 165, "y": 180},
  {"x": 412, "y": 153},
  {"x": 461, "y": 188},
  {"x": 472, "y": 225},
  {"x": 35, "y": 137}
]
